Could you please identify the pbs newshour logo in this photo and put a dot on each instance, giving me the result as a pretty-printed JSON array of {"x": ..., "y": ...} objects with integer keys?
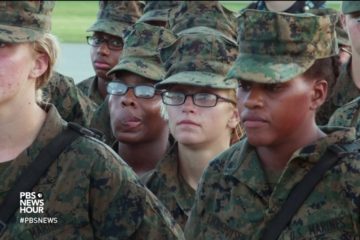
[{"x": 31, "y": 202}]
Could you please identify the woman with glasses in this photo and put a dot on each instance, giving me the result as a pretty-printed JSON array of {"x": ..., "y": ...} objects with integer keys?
[
  {"x": 106, "y": 42},
  {"x": 85, "y": 191},
  {"x": 201, "y": 111},
  {"x": 142, "y": 135}
]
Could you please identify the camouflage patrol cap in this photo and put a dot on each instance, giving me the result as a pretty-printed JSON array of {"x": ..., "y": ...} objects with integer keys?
[
  {"x": 157, "y": 10},
  {"x": 114, "y": 17},
  {"x": 211, "y": 14},
  {"x": 140, "y": 54},
  {"x": 198, "y": 59},
  {"x": 348, "y": 7},
  {"x": 341, "y": 34},
  {"x": 276, "y": 47},
  {"x": 24, "y": 21}
]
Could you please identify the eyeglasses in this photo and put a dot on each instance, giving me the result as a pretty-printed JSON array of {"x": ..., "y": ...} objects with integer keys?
[
  {"x": 140, "y": 91},
  {"x": 112, "y": 43},
  {"x": 199, "y": 99}
]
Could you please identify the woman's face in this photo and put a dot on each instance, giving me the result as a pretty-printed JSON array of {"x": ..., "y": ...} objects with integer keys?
[
  {"x": 279, "y": 113},
  {"x": 193, "y": 125},
  {"x": 18, "y": 66},
  {"x": 135, "y": 119}
]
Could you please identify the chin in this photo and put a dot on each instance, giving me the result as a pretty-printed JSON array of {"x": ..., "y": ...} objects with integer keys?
[{"x": 258, "y": 141}]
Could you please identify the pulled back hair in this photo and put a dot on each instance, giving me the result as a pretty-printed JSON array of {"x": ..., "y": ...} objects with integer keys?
[{"x": 49, "y": 46}]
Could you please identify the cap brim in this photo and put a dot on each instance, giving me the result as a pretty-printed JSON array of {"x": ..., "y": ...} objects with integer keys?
[
  {"x": 109, "y": 27},
  {"x": 145, "y": 68},
  {"x": 13, "y": 34},
  {"x": 268, "y": 69},
  {"x": 154, "y": 15},
  {"x": 207, "y": 30},
  {"x": 200, "y": 79}
]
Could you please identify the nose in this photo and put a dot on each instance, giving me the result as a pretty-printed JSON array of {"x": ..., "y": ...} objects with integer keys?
[
  {"x": 254, "y": 98},
  {"x": 188, "y": 105},
  {"x": 128, "y": 99},
  {"x": 103, "y": 49}
]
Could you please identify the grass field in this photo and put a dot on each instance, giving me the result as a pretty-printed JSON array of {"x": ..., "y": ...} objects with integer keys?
[{"x": 72, "y": 18}]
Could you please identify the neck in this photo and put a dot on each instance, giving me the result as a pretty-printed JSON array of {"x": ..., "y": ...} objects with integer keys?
[
  {"x": 143, "y": 157},
  {"x": 355, "y": 70},
  {"x": 101, "y": 84},
  {"x": 275, "y": 157},
  {"x": 19, "y": 128},
  {"x": 194, "y": 160}
]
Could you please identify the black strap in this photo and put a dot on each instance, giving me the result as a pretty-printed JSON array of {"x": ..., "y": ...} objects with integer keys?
[
  {"x": 31, "y": 175},
  {"x": 301, "y": 191}
]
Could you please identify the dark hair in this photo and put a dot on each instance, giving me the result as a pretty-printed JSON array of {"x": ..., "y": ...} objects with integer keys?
[{"x": 326, "y": 68}]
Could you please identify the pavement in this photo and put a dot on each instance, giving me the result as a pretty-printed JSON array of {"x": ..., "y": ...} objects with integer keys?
[{"x": 74, "y": 61}]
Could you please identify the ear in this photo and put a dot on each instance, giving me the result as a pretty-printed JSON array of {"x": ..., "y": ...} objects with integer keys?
[
  {"x": 234, "y": 118},
  {"x": 318, "y": 94},
  {"x": 40, "y": 66}
]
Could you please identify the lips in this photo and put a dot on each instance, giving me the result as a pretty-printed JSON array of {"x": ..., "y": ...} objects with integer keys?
[
  {"x": 102, "y": 65},
  {"x": 187, "y": 122},
  {"x": 253, "y": 121},
  {"x": 130, "y": 121}
]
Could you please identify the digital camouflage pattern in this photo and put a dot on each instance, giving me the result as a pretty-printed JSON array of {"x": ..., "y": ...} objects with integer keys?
[
  {"x": 89, "y": 87},
  {"x": 24, "y": 21},
  {"x": 235, "y": 201},
  {"x": 343, "y": 92},
  {"x": 348, "y": 116},
  {"x": 170, "y": 188},
  {"x": 192, "y": 15},
  {"x": 114, "y": 17},
  {"x": 348, "y": 7},
  {"x": 71, "y": 103},
  {"x": 101, "y": 121},
  {"x": 157, "y": 10},
  {"x": 341, "y": 34},
  {"x": 285, "y": 45},
  {"x": 198, "y": 59},
  {"x": 140, "y": 54},
  {"x": 91, "y": 191}
]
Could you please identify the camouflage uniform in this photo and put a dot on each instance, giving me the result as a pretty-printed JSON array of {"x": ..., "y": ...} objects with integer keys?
[
  {"x": 157, "y": 11},
  {"x": 71, "y": 103},
  {"x": 348, "y": 116},
  {"x": 89, "y": 88},
  {"x": 92, "y": 192},
  {"x": 235, "y": 199},
  {"x": 343, "y": 92},
  {"x": 89, "y": 190},
  {"x": 199, "y": 59},
  {"x": 114, "y": 18},
  {"x": 209, "y": 16},
  {"x": 169, "y": 186}
]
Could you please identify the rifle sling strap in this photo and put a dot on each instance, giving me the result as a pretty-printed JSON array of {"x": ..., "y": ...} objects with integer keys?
[{"x": 32, "y": 174}]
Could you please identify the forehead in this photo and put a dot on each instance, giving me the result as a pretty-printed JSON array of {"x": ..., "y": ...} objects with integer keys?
[{"x": 195, "y": 89}]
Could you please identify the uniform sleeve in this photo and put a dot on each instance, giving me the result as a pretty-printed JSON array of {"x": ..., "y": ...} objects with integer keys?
[{"x": 122, "y": 208}]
